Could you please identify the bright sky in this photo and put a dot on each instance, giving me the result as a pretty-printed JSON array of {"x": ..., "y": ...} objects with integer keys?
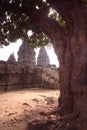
[{"x": 14, "y": 47}]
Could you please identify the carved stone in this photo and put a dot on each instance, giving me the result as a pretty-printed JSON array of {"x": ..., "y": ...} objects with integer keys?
[
  {"x": 26, "y": 55},
  {"x": 43, "y": 59},
  {"x": 12, "y": 59},
  {"x": 15, "y": 76}
]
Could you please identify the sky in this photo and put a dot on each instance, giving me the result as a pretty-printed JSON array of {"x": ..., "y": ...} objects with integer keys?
[{"x": 14, "y": 47}]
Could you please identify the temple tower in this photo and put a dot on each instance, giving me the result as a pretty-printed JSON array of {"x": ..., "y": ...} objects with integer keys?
[
  {"x": 43, "y": 59},
  {"x": 26, "y": 55},
  {"x": 12, "y": 59}
]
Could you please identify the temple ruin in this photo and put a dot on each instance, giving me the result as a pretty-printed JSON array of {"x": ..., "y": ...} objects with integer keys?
[
  {"x": 11, "y": 59},
  {"x": 24, "y": 73},
  {"x": 26, "y": 55},
  {"x": 43, "y": 59}
]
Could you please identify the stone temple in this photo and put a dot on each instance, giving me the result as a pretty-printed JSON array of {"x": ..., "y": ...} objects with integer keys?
[
  {"x": 12, "y": 59},
  {"x": 24, "y": 73},
  {"x": 26, "y": 55},
  {"x": 43, "y": 59}
]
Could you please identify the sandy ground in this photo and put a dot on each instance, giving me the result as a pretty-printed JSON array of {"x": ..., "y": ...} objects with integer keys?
[{"x": 19, "y": 107}]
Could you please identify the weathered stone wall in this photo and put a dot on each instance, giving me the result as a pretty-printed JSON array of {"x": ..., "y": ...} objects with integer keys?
[
  {"x": 15, "y": 76},
  {"x": 50, "y": 78}
]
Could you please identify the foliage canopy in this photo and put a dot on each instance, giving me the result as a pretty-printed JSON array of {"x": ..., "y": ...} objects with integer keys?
[
  {"x": 15, "y": 23},
  {"x": 16, "y": 20}
]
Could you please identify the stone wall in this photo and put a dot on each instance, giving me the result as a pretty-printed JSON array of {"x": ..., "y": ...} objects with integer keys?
[
  {"x": 15, "y": 76},
  {"x": 50, "y": 77}
]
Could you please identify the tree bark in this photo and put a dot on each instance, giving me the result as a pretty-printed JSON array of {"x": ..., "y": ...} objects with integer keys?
[
  {"x": 73, "y": 73},
  {"x": 73, "y": 70}
]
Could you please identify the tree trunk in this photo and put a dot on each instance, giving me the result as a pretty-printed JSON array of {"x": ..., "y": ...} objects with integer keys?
[{"x": 73, "y": 78}]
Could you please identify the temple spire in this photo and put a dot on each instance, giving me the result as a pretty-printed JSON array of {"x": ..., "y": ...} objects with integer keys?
[
  {"x": 26, "y": 55},
  {"x": 43, "y": 59},
  {"x": 12, "y": 59}
]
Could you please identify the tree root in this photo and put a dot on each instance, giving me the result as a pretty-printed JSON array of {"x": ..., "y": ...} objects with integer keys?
[
  {"x": 56, "y": 110},
  {"x": 61, "y": 123},
  {"x": 70, "y": 115},
  {"x": 66, "y": 107}
]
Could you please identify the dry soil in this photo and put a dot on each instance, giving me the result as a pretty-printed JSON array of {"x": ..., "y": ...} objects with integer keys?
[{"x": 19, "y": 107}]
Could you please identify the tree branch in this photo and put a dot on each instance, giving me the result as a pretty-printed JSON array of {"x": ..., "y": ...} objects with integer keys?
[
  {"x": 49, "y": 26},
  {"x": 64, "y": 8}
]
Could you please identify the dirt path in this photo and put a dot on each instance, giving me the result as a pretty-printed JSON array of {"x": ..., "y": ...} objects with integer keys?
[{"x": 18, "y": 107}]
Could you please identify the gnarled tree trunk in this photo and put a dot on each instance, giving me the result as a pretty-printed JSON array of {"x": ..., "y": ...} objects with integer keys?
[
  {"x": 72, "y": 56},
  {"x": 73, "y": 72}
]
